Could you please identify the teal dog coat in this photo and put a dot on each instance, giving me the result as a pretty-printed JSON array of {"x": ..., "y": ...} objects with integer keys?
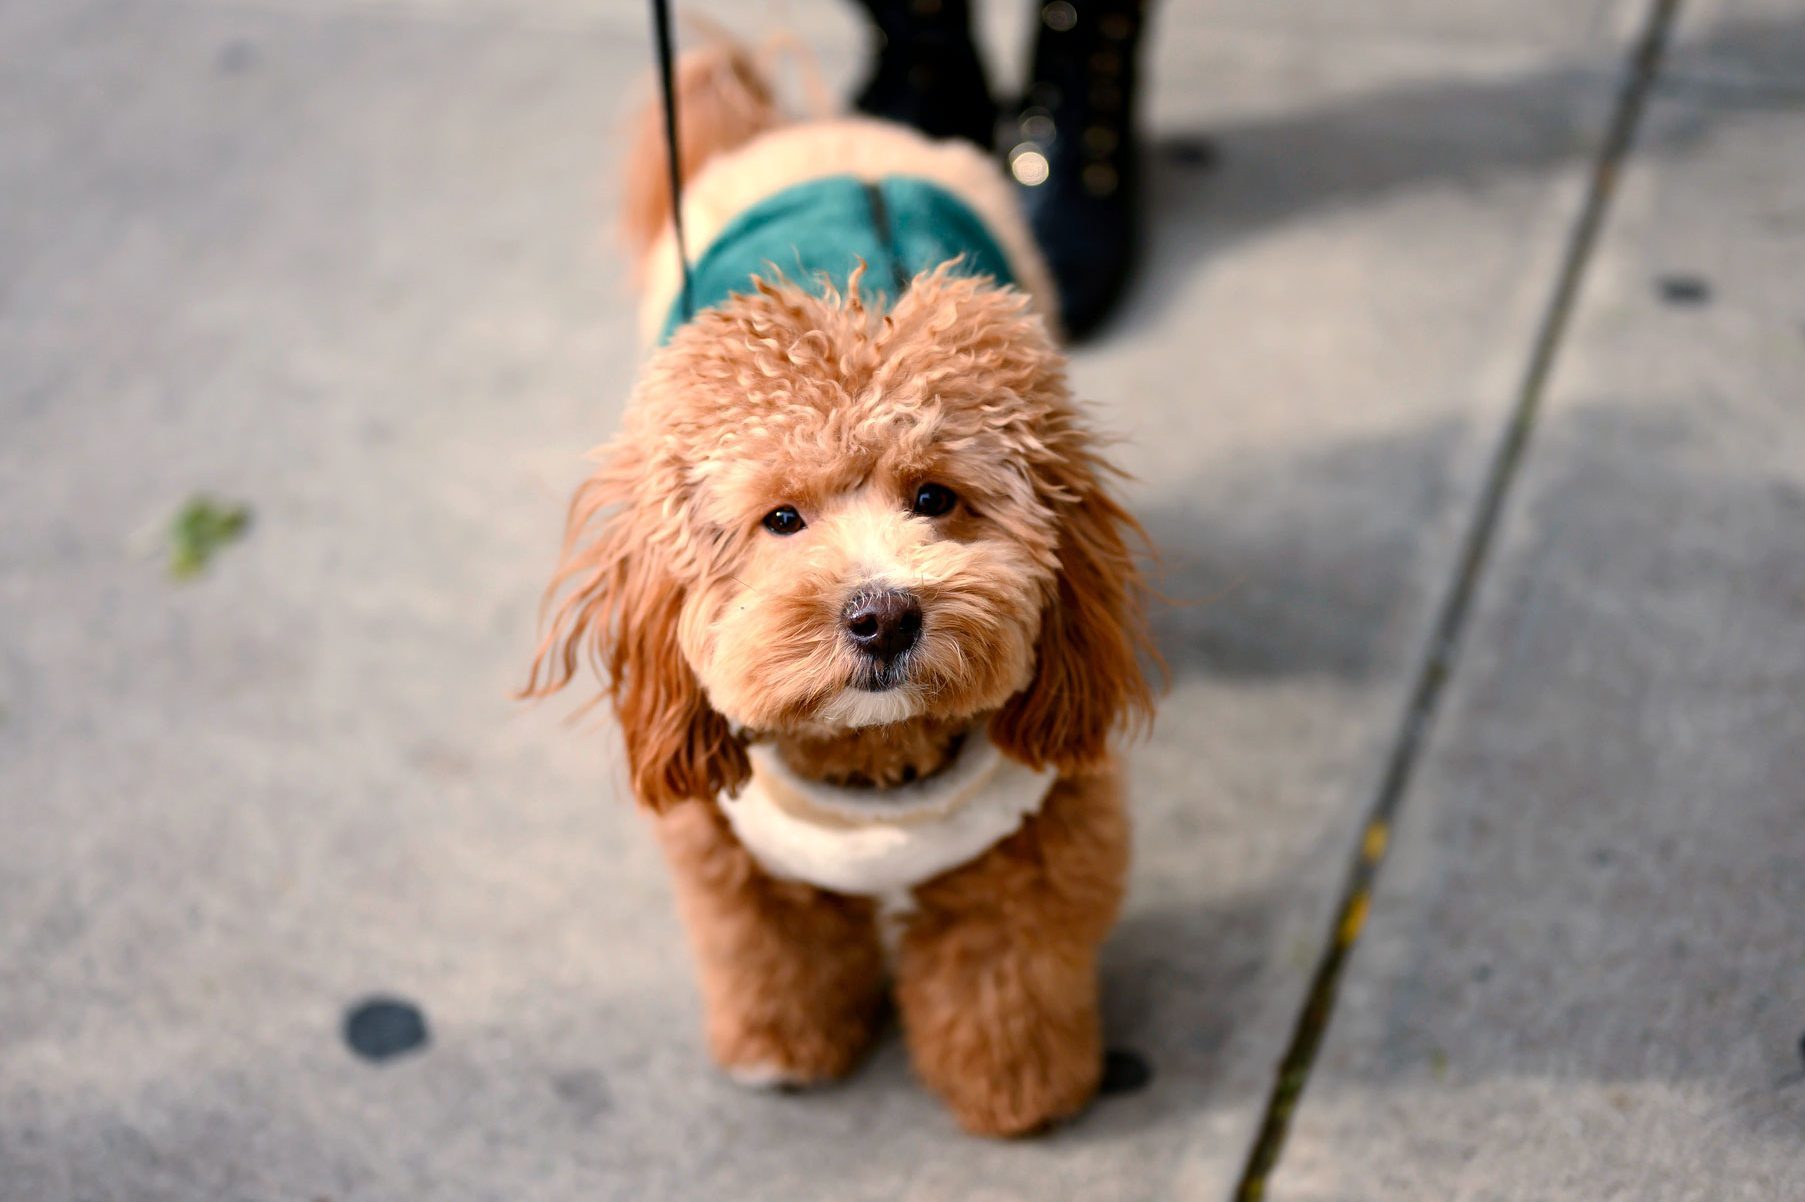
[{"x": 816, "y": 233}]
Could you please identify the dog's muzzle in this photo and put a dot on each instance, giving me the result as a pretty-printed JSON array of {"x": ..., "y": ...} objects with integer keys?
[{"x": 883, "y": 625}]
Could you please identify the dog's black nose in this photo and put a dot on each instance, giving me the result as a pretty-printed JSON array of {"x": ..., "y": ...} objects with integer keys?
[{"x": 884, "y": 623}]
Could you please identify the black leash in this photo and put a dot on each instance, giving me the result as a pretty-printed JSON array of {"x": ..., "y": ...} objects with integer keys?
[{"x": 667, "y": 75}]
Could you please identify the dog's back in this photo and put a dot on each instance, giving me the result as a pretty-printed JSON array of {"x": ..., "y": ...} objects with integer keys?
[{"x": 738, "y": 151}]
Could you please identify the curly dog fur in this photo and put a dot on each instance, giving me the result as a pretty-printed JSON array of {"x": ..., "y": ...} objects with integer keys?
[{"x": 713, "y": 633}]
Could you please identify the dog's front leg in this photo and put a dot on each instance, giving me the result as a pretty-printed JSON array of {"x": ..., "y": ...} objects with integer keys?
[
  {"x": 997, "y": 980},
  {"x": 792, "y": 977}
]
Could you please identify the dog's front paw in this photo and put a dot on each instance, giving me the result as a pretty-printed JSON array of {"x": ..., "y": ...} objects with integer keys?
[
  {"x": 1013, "y": 1045},
  {"x": 781, "y": 1055},
  {"x": 1020, "y": 1088}
]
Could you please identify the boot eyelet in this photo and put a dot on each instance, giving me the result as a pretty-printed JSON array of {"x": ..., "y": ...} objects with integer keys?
[{"x": 1059, "y": 16}]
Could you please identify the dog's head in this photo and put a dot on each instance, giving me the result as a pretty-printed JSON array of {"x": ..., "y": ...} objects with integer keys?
[{"x": 821, "y": 517}]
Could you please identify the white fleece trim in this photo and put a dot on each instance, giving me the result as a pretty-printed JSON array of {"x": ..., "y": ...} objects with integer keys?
[{"x": 877, "y": 843}]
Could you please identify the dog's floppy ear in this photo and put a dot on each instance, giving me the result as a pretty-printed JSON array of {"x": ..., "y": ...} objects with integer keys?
[
  {"x": 1087, "y": 680},
  {"x": 618, "y": 605}
]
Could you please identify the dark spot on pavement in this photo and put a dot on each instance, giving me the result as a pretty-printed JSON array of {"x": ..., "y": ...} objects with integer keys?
[
  {"x": 382, "y": 1027},
  {"x": 1191, "y": 151},
  {"x": 1124, "y": 1072},
  {"x": 585, "y": 1091},
  {"x": 1802, "y": 1048},
  {"x": 1684, "y": 289},
  {"x": 236, "y": 56}
]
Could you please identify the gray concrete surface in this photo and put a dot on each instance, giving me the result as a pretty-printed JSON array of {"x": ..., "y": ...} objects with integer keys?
[
  {"x": 342, "y": 261},
  {"x": 1584, "y": 974}
]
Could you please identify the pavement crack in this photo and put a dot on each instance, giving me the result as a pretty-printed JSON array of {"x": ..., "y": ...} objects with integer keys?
[{"x": 1295, "y": 1066}]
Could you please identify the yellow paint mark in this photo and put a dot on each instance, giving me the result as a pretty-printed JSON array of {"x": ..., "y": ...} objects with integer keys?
[
  {"x": 1355, "y": 917},
  {"x": 1373, "y": 845}
]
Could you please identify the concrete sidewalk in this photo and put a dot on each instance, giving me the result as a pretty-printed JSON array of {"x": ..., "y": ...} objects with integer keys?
[{"x": 342, "y": 262}]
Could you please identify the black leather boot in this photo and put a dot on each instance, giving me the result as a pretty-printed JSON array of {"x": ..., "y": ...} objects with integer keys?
[
  {"x": 925, "y": 70},
  {"x": 1075, "y": 155}
]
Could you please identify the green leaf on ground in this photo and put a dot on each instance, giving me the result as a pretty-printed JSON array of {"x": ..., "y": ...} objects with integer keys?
[{"x": 200, "y": 529}]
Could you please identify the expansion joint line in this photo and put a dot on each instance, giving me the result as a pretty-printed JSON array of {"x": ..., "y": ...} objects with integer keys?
[{"x": 1294, "y": 1067}]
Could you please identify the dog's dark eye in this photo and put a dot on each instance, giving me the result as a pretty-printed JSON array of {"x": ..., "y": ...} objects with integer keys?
[
  {"x": 932, "y": 500},
  {"x": 784, "y": 520}
]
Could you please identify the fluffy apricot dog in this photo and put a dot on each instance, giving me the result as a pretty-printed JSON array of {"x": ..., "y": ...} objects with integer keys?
[{"x": 865, "y": 608}]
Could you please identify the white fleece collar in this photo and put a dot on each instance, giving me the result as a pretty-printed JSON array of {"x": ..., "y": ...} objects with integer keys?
[{"x": 879, "y": 842}]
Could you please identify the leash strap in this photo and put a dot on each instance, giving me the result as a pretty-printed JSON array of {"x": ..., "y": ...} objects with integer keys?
[{"x": 667, "y": 77}]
